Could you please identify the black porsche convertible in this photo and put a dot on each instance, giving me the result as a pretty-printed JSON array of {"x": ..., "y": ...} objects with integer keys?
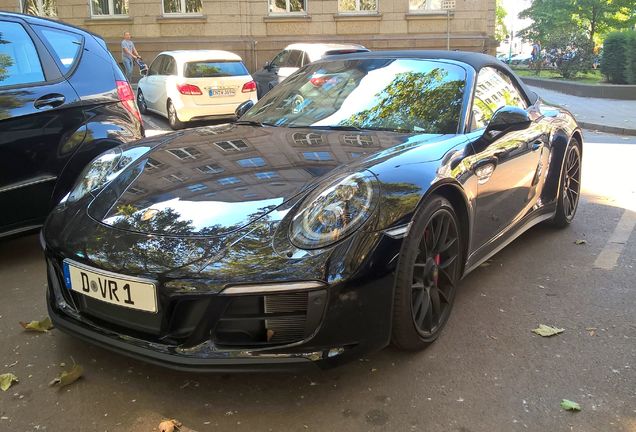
[{"x": 336, "y": 216}]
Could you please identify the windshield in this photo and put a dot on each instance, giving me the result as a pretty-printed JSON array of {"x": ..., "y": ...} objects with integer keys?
[{"x": 404, "y": 95}]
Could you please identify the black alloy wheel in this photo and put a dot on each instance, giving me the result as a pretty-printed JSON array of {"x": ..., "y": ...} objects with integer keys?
[
  {"x": 141, "y": 103},
  {"x": 428, "y": 273},
  {"x": 570, "y": 189}
]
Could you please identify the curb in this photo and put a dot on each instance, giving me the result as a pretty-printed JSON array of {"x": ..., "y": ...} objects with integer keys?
[
  {"x": 601, "y": 91},
  {"x": 608, "y": 129}
]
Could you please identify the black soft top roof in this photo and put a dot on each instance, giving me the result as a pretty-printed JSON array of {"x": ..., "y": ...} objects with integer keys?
[{"x": 476, "y": 60}]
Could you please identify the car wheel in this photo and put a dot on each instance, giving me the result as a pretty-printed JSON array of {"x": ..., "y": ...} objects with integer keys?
[
  {"x": 173, "y": 118},
  {"x": 570, "y": 188},
  {"x": 141, "y": 103},
  {"x": 428, "y": 272}
]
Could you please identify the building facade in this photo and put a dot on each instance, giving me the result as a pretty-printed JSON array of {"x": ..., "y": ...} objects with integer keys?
[{"x": 257, "y": 29}]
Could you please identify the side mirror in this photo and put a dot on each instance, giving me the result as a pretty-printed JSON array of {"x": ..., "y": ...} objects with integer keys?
[
  {"x": 143, "y": 72},
  {"x": 508, "y": 118},
  {"x": 243, "y": 108},
  {"x": 267, "y": 66}
]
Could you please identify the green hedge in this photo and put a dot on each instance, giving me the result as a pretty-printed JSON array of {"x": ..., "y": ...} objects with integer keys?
[
  {"x": 630, "y": 58},
  {"x": 619, "y": 57}
]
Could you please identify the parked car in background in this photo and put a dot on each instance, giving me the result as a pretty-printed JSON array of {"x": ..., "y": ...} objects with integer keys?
[
  {"x": 338, "y": 215},
  {"x": 63, "y": 101},
  {"x": 295, "y": 56},
  {"x": 195, "y": 85},
  {"x": 520, "y": 59}
]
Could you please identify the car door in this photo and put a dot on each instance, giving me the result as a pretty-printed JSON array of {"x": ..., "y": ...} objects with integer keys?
[
  {"x": 506, "y": 166},
  {"x": 39, "y": 111},
  {"x": 167, "y": 72},
  {"x": 151, "y": 88}
]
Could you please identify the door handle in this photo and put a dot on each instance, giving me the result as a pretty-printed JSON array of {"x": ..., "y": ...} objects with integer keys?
[
  {"x": 49, "y": 100},
  {"x": 536, "y": 145}
]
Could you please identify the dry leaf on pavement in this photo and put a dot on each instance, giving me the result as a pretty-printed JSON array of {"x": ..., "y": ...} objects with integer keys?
[
  {"x": 69, "y": 377},
  {"x": 546, "y": 330},
  {"x": 39, "y": 326},
  {"x": 170, "y": 425},
  {"x": 7, "y": 380}
]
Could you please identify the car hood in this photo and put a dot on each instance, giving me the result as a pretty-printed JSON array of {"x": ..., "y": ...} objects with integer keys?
[{"x": 211, "y": 181}]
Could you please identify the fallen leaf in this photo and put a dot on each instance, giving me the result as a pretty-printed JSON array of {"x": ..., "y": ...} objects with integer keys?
[
  {"x": 170, "y": 425},
  {"x": 6, "y": 380},
  {"x": 568, "y": 405},
  {"x": 546, "y": 330},
  {"x": 39, "y": 326},
  {"x": 580, "y": 242},
  {"x": 591, "y": 331},
  {"x": 69, "y": 377}
]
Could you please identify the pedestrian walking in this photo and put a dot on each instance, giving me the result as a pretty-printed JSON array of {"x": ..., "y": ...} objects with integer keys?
[{"x": 128, "y": 55}]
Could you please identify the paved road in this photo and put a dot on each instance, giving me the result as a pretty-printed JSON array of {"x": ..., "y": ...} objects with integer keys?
[{"x": 487, "y": 372}]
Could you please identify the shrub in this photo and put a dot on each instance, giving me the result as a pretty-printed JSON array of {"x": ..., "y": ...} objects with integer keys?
[
  {"x": 570, "y": 53},
  {"x": 630, "y": 58},
  {"x": 614, "y": 61}
]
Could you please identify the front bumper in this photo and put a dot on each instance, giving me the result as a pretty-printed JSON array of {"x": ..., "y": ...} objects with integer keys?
[{"x": 354, "y": 318}]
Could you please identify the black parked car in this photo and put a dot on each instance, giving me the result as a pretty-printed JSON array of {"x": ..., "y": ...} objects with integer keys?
[
  {"x": 63, "y": 101},
  {"x": 336, "y": 216}
]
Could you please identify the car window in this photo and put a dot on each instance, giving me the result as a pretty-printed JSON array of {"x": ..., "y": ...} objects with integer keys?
[
  {"x": 280, "y": 59},
  {"x": 295, "y": 59},
  {"x": 156, "y": 65},
  {"x": 66, "y": 45},
  {"x": 19, "y": 61},
  {"x": 169, "y": 66},
  {"x": 494, "y": 90},
  {"x": 207, "y": 69}
]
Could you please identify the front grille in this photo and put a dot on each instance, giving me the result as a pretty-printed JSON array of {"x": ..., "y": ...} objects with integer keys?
[{"x": 269, "y": 320}]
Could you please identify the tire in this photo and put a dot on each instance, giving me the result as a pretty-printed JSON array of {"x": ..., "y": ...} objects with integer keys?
[
  {"x": 141, "y": 103},
  {"x": 428, "y": 271},
  {"x": 569, "y": 186},
  {"x": 173, "y": 117}
]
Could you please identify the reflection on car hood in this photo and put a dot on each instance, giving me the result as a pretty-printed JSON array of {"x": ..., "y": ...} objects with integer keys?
[{"x": 210, "y": 181}]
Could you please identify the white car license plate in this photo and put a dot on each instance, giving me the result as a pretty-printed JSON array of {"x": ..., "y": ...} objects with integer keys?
[
  {"x": 215, "y": 92},
  {"x": 129, "y": 292}
]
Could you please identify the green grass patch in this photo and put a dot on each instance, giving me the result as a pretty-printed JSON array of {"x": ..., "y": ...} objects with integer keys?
[{"x": 589, "y": 77}]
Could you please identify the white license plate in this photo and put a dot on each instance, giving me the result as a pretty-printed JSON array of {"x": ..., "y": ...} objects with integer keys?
[
  {"x": 125, "y": 291},
  {"x": 215, "y": 92}
]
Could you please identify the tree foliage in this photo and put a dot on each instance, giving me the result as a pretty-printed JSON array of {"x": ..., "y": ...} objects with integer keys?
[
  {"x": 614, "y": 60},
  {"x": 595, "y": 17},
  {"x": 572, "y": 53},
  {"x": 501, "y": 31}
]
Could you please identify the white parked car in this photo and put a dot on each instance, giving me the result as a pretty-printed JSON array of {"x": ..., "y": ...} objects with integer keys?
[{"x": 195, "y": 85}]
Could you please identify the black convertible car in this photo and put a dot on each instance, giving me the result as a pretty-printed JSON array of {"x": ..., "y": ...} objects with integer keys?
[{"x": 338, "y": 215}]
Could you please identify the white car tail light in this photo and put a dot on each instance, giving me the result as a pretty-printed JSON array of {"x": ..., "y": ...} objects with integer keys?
[
  {"x": 249, "y": 87},
  {"x": 189, "y": 89}
]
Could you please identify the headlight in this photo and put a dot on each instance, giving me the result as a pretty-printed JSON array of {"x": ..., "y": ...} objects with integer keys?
[
  {"x": 95, "y": 175},
  {"x": 331, "y": 213}
]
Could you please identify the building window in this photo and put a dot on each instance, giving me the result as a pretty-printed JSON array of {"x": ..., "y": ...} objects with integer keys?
[
  {"x": 359, "y": 140},
  {"x": 424, "y": 6},
  {"x": 152, "y": 164},
  {"x": 210, "y": 169},
  {"x": 287, "y": 7},
  {"x": 181, "y": 7},
  {"x": 307, "y": 139},
  {"x": 228, "y": 181},
  {"x": 317, "y": 156},
  {"x": 266, "y": 175},
  {"x": 231, "y": 146},
  {"x": 109, "y": 7},
  {"x": 175, "y": 178},
  {"x": 185, "y": 153},
  {"x": 251, "y": 162},
  {"x": 45, "y": 8},
  {"x": 197, "y": 187},
  {"x": 357, "y": 6}
]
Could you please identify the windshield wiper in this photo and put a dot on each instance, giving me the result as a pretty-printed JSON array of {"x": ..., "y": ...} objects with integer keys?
[{"x": 253, "y": 123}]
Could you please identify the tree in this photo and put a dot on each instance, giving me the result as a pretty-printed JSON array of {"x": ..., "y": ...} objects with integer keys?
[
  {"x": 501, "y": 31},
  {"x": 596, "y": 17}
]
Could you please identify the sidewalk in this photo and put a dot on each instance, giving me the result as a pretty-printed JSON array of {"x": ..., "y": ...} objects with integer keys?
[{"x": 605, "y": 115}]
